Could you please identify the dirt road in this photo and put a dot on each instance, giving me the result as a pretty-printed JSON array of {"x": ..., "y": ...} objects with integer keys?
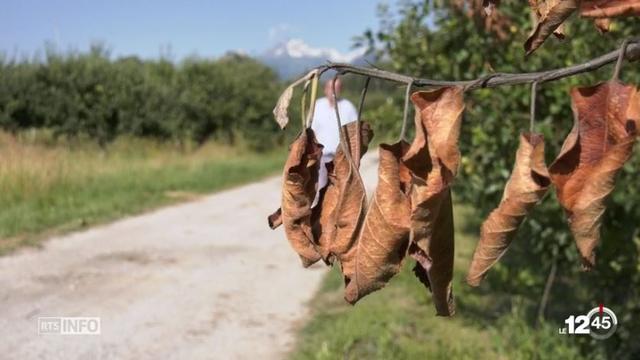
[{"x": 202, "y": 280}]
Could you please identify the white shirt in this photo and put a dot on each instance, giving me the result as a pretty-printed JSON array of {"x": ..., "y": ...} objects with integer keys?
[{"x": 325, "y": 126}]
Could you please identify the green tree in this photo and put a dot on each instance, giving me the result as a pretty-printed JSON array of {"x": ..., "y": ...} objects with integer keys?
[{"x": 452, "y": 40}]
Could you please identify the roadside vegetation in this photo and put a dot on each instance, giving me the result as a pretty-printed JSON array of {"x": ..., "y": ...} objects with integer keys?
[
  {"x": 97, "y": 97},
  {"x": 87, "y": 138},
  {"x": 49, "y": 189}
]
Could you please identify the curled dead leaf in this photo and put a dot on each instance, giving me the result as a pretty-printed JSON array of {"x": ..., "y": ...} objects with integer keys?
[
  {"x": 533, "y": 5},
  {"x": 275, "y": 219},
  {"x": 300, "y": 180},
  {"x": 281, "y": 111},
  {"x": 535, "y": 9},
  {"x": 527, "y": 185},
  {"x": 350, "y": 208},
  {"x": 602, "y": 24},
  {"x": 609, "y": 8},
  {"x": 633, "y": 111},
  {"x": 339, "y": 208},
  {"x": 435, "y": 262},
  {"x": 324, "y": 214},
  {"x": 599, "y": 144},
  {"x": 384, "y": 239},
  {"x": 553, "y": 15},
  {"x": 540, "y": 10},
  {"x": 433, "y": 160}
]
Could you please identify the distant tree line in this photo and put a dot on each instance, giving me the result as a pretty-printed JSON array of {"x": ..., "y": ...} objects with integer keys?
[{"x": 91, "y": 95}]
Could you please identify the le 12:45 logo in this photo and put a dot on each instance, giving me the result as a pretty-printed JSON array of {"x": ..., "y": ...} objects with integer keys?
[{"x": 600, "y": 323}]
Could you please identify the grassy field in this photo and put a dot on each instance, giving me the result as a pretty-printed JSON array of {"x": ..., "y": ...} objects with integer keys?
[
  {"x": 398, "y": 321},
  {"x": 46, "y": 189}
]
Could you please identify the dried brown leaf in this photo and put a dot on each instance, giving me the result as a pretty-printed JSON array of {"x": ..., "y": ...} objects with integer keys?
[
  {"x": 337, "y": 205},
  {"x": 324, "y": 223},
  {"x": 275, "y": 219},
  {"x": 435, "y": 263},
  {"x": 280, "y": 112},
  {"x": 609, "y": 8},
  {"x": 535, "y": 8},
  {"x": 384, "y": 239},
  {"x": 527, "y": 185},
  {"x": 349, "y": 213},
  {"x": 555, "y": 15},
  {"x": 541, "y": 10},
  {"x": 559, "y": 32},
  {"x": 300, "y": 180},
  {"x": 433, "y": 161},
  {"x": 633, "y": 111},
  {"x": 599, "y": 144},
  {"x": 602, "y": 24}
]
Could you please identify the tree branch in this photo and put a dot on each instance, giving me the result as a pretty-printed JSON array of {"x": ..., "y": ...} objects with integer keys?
[{"x": 492, "y": 80}]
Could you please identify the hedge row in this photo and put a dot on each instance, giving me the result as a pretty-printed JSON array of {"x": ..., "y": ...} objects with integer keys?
[{"x": 93, "y": 95}]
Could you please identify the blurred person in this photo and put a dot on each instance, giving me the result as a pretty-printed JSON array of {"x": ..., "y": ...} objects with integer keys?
[{"x": 325, "y": 126}]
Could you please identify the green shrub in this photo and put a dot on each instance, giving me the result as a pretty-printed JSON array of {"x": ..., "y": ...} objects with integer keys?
[{"x": 90, "y": 94}]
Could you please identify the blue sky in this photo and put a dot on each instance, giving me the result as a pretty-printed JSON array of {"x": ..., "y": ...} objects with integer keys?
[{"x": 207, "y": 28}]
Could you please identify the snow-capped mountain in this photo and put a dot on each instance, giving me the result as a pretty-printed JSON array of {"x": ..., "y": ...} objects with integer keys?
[
  {"x": 293, "y": 57},
  {"x": 297, "y": 48}
]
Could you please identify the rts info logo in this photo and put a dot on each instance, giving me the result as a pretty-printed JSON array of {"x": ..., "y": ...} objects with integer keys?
[{"x": 600, "y": 323}]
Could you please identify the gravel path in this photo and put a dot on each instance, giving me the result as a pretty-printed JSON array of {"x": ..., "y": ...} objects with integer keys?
[{"x": 203, "y": 280}]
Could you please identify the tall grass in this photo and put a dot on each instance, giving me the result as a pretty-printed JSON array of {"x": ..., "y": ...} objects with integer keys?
[{"x": 47, "y": 188}]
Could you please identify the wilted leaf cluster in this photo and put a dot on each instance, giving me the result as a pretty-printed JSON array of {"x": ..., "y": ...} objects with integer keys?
[
  {"x": 606, "y": 119},
  {"x": 550, "y": 16},
  {"x": 411, "y": 212}
]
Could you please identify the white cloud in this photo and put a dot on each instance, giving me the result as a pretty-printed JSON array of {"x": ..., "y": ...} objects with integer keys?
[
  {"x": 297, "y": 48},
  {"x": 279, "y": 32}
]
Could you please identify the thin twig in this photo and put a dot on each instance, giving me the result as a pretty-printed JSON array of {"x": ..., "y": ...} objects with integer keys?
[
  {"x": 314, "y": 95},
  {"x": 344, "y": 142},
  {"x": 363, "y": 96},
  {"x": 405, "y": 115},
  {"x": 534, "y": 94},
  {"x": 497, "y": 79},
  {"x": 618, "y": 68},
  {"x": 547, "y": 290},
  {"x": 303, "y": 104}
]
